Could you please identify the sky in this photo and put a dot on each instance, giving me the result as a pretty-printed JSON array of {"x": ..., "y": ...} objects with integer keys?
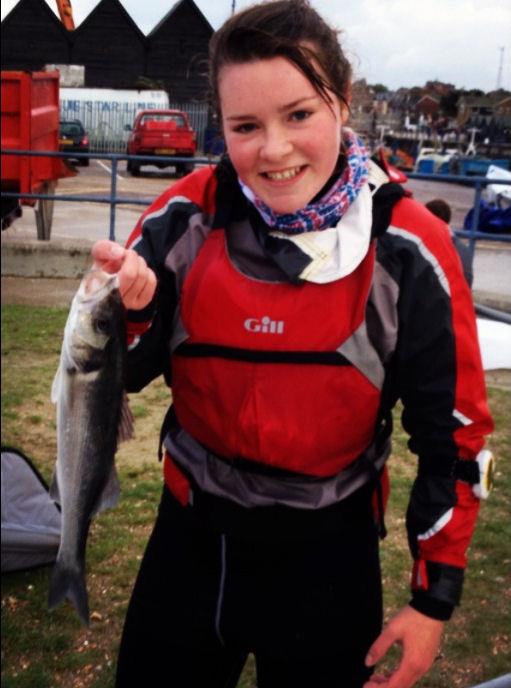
[{"x": 392, "y": 42}]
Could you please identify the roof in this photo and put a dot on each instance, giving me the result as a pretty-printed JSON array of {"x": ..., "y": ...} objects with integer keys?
[
  {"x": 118, "y": 6},
  {"x": 173, "y": 9},
  {"x": 429, "y": 96},
  {"x": 478, "y": 101},
  {"x": 19, "y": 6}
]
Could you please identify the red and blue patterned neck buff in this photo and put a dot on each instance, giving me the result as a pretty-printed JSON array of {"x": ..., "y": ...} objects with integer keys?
[{"x": 328, "y": 210}]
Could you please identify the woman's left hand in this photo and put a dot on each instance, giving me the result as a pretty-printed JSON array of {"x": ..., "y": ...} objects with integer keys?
[{"x": 419, "y": 636}]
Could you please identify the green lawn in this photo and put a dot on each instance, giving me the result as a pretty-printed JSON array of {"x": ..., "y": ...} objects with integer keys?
[{"x": 42, "y": 649}]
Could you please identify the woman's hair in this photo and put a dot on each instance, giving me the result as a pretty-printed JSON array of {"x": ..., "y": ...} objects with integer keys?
[{"x": 291, "y": 29}]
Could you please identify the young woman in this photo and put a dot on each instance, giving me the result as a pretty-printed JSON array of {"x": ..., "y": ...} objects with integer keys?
[{"x": 290, "y": 296}]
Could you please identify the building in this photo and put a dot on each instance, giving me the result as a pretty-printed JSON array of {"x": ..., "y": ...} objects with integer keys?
[
  {"x": 112, "y": 48},
  {"x": 177, "y": 52},
  {"x": 428, "y": 105},
  {"x": 32, "y": 36}
]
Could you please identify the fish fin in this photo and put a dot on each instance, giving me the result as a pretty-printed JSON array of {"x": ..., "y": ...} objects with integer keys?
[
  {"x": 55, "y": 388},
  {"x": 110, "y": 494},
  {"x": 54, "y": 488},
  {"x": 68, "y": 583},
  {"x": 126, "y": 421}
]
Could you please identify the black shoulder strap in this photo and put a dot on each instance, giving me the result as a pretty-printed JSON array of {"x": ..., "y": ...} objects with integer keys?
[{"x": 384, "y": 200}]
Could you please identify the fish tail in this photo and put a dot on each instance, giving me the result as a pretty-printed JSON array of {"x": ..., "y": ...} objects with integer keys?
[{"x": 68, "y": 582}]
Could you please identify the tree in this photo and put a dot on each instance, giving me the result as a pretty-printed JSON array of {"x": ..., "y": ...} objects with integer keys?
[{"x": 378, "y": 88}]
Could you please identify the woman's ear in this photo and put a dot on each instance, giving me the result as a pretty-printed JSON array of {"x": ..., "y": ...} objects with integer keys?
[{"x": 346, "y": 105}]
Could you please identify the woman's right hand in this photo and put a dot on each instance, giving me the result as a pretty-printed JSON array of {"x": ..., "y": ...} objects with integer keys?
[{"x": 137, "y": 282}]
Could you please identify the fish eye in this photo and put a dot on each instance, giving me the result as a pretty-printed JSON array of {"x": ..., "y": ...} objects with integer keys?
[{"x": 102, "y": 326}]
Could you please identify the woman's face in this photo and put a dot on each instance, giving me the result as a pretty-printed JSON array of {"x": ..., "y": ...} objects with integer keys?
[{"x": 282, "y": 137}]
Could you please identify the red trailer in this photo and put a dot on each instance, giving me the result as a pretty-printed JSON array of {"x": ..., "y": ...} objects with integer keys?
[{"x": 30, "y": 121}]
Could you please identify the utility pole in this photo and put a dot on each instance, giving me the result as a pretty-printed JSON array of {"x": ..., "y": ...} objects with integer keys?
[
  {"x": 501, "y": 65},
  {"x": 233, "y": 9}
]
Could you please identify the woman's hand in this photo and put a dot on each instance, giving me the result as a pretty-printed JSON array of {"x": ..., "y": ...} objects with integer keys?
[
  {"x": 419, "y": 636},
  {"x": 137, "y": 282}
]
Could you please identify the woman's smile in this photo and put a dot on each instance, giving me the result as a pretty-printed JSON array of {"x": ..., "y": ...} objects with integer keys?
[
  {"x": 284, "y": 175},
  {"x": 284, "y": 146}
]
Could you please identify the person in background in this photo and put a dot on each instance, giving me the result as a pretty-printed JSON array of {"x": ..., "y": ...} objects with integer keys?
[
  {"x": 291, "y": 295},
  {"x": 442, "y": 209}
]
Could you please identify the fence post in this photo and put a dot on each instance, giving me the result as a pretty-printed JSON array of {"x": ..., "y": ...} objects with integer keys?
[{"x": 113, "y": 194}]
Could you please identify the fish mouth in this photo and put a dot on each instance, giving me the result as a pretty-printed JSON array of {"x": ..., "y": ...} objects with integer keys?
[
  {"x": 96, "y": 281},
  {"x": 283, "y": 175}
]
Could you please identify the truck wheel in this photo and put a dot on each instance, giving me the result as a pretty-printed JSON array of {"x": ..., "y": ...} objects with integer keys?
[
  {"x": 133, "y": 168},
  {"x": 44, "y": 212},
  {"x": 184, "y": 168},
  {"x": 11, "y": 210}
]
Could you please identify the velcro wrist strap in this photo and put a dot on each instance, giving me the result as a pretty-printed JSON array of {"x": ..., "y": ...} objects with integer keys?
[{"x": 459, "y": 469}]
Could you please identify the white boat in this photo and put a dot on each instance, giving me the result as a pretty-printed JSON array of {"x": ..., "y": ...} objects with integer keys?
[{"x": 495, "y": 342}]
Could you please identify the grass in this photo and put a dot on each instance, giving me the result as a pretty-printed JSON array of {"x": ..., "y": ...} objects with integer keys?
[{"x": 42, "y": 649}]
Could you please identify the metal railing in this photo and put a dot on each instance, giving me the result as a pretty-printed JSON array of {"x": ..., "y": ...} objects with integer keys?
[
  {"x": 473, "y": 235},
  {"x": 113, "y": 199},
  {"x": 478, "y": 183}
]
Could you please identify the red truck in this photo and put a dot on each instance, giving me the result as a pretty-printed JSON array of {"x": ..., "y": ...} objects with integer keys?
[
  {"x": 162, "y": 132},
  {"x": 30, "y": 121}
]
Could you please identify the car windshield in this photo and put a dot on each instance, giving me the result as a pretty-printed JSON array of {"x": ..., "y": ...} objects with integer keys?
[
  {"x": 178, "y": 119},
  {"x": 70, "y": 129}
]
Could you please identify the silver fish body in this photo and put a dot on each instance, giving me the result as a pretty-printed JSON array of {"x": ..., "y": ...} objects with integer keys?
[{"x": 92, "y": 415}]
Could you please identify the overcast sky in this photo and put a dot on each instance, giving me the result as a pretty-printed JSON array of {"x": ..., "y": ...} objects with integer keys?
[{"x": 394, "y": 42}]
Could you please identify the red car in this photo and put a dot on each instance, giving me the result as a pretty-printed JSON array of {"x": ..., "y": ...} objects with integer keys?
[{"x": 162, "y": 132}]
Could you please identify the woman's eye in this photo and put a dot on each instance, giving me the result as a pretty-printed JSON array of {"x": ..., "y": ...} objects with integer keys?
[
  {"x": 300, "y": 115},
  {"x": 244, "y": 128}
]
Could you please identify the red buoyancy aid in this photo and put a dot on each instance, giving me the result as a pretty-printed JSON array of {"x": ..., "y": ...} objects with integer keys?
[{"x": 275, "y": 372}]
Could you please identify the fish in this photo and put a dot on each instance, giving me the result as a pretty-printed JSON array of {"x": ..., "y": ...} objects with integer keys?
[{"x": 93, "y": 415}]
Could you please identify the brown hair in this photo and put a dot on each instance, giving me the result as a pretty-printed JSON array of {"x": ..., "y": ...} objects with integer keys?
[
  {"x": 440, "y": 208},
  {"x": 282, "y": 28}
]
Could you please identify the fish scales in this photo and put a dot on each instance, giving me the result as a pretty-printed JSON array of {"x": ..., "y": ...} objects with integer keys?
[{"x": 91, "y": 418}]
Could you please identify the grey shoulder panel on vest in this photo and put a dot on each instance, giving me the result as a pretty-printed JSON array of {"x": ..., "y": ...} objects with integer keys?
[
  {"x": 185, "y": 250},
  {"x": 381, "y": 314}
]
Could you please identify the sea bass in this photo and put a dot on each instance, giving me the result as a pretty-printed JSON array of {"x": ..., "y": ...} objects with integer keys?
[{"x": 92, "y": 416}]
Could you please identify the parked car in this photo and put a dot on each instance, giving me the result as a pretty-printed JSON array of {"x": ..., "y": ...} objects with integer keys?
[
  {"x": 73, "y": 139},
  {"x": 162, "y": 132}
]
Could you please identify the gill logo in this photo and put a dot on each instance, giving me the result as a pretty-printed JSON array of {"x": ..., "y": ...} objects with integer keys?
[{"x": 264, "y": 325}]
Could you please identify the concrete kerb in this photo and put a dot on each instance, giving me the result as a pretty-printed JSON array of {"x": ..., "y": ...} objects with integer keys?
[{"x": 57, "y": 258}]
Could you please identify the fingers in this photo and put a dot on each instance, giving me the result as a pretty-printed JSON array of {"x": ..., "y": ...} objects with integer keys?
[
  {"x": 380, "y": 646},
  {"x": 108, "y": 255},
  {"x": 419, "y": 637},
  {"x": 137, "y": 282}
]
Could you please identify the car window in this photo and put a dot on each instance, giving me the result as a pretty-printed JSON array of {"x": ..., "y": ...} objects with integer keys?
[
  {"x": 178, "y": 119},
  {"x": 70, "y": 129}
]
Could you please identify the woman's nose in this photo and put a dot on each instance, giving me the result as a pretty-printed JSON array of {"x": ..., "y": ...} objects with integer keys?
[{"x": 276, "y": 144}]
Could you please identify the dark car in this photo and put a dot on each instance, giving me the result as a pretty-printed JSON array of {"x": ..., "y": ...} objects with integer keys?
[{"x": 73, "y": 139}]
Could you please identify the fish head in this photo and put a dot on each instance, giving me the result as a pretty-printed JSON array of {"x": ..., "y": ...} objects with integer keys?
[{"x": 94, "y": 316}]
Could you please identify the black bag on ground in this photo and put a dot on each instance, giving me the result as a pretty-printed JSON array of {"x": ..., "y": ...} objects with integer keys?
[{"x": 30, "y": 518}]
